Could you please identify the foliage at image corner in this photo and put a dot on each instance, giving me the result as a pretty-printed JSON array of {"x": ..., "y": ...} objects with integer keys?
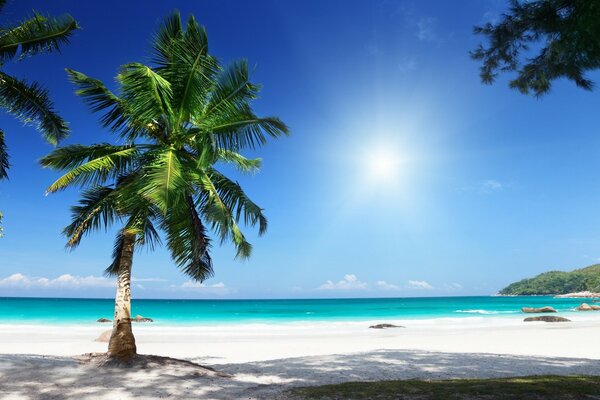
[
  {"x": 539, "y": 42},
  {"x": 27, "y": 101}
]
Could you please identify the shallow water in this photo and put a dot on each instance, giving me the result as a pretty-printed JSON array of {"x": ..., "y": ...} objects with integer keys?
[{"x": 192, "y": 312}]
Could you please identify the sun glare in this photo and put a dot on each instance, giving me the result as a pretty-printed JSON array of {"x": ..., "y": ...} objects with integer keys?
[{"x": 383, "y": 165}]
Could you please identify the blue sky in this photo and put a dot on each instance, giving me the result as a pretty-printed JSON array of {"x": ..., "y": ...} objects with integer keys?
[{"x": 487, "y": 186}]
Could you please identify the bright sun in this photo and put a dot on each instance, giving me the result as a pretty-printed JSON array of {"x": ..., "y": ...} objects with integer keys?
[{"x": 383, "y": 165}]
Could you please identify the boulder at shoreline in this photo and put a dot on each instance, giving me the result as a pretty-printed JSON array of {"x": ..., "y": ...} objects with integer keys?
[
  {"x": 538, "y": 310},
  {"x": 139, "y": 318},
  {"x": 587, "y": 307},
  {"x": 103, "y": 320},
  {"x": 547, "y": 318},
  {"x": 384, "y": 326}
]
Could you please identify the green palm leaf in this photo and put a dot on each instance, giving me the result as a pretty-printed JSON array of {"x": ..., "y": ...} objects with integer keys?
[
  {"x": 97, "y": 208},
  {"x": 147, "y": 94},
  {"x": 246, "y": 130},
  {"x": 235, "y": 199},
  {"x": 89, "y": 165},
  {"x": 30, "y": 103},
  {"x": 113, "y": 268},
  {"x": 165, "y": 40},
  {"x": 243, "y": 164},
  {"x": 139, "y": 224},
  {"x": 232, "y": 90},
  {"x": 4, "y": 164},
  {"x": 164, "y": 181},
  {"x": 222, "y": 216},
  {"x": 187, "y": 241},
  {"x": 191, "y": 72},
  {"x": 37, "y": 34},
  {"x": 117, "y": 116}
]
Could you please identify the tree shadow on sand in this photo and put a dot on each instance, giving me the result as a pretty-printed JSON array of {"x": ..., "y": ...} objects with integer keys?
[
  {"x": 147, "y": 361},
  {"x": 37, "y": 377}
]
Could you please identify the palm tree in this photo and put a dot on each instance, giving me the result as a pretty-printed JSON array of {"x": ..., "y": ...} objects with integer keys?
[
  {"x": 179, "y": 119},
  {"x": 29, "y": 102}
]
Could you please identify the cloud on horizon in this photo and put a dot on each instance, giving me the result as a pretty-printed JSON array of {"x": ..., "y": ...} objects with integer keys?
[
  {"x": 218, "y": 288},
  {"x": 65, "y": 281},
  {"x": 383, "y": 285},
  {"x": 350, "y": 282},
  {"x": 421, "y": 285}
]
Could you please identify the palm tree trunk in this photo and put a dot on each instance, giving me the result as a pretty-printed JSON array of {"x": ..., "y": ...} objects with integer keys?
[{"x": 122, "y": 343}]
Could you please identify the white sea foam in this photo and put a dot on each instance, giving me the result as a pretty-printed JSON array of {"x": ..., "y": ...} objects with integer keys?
[{"x": 485, "y": 312}]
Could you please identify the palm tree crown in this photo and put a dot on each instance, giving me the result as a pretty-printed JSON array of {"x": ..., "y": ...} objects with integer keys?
[{"x": 177, "y": 118}]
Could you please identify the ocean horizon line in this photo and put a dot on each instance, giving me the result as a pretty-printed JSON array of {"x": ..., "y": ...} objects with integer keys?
[{"x": 270, "y": 298}]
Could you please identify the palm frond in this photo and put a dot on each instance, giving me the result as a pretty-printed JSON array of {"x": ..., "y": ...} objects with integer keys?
[
  {"x": 164, "y": 180},
  {"x": 236, "y": 200},
  {"x": 168, "y": 35},
  {"x": 30, "y": 103},
  {"x": 190, "y": 69},
  {"x": 116, "y": 114},
  {"x": 243, "y": 164},
  {"x": 147, "y": 94},
  {"x": 232, "y": 90},
  {"x": 113, "y": 268},
  {"x": 37, "y": 34},
  {"x": 89, "y": 165},
  {"x": 222, "y": 217},
  {"x": 246, "y": 130},
  {"x": 141, "y": 215},
  {"x": 197, "y": 72},
  {"x": 188, "y": 242},
  {"x": 4, "y": 164},
  {"x": 97, "y": 208},
  {"x": 139, "y": 224}
]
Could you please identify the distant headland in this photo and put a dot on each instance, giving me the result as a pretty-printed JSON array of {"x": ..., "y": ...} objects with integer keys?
[{"x": 583, "y": 282}]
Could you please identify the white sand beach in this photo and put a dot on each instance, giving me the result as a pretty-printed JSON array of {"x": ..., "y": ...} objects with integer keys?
[{"x": 264, "y": 360}]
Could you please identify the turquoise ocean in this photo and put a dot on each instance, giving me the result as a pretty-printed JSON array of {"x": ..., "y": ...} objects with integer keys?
[{"x": 207, "y": 312}]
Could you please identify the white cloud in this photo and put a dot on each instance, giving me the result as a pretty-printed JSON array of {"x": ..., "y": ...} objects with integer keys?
[
  {"x": 65, "y": 281},
  {"x": 350, "y": 282},
  {"x": 490, "y": 185},
  {"x": 453, "y": 286},
  {"x": 487, "y": 186},
  {"x": 383, "y": 285},
  {"x": 426, "y": 29},
  {"x": 419, "y": 285},
  {"x": 135, "y": 279},
  {"x": 215, "y": 288}
]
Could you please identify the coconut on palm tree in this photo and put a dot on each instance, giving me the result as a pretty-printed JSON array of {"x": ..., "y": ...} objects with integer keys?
[
  {"x": 29, "y": 102},
  {"x": 179, "y": 119}
]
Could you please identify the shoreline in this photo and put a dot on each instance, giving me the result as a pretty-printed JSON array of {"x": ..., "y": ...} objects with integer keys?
[
  {"x": 244, "y": 343},
  {"x": 265, "y": 360}
]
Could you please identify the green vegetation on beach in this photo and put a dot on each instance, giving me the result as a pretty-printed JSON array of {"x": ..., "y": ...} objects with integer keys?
[
  {"x": 557, "y": 282},
  {"x": 531, "y": 387}
]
